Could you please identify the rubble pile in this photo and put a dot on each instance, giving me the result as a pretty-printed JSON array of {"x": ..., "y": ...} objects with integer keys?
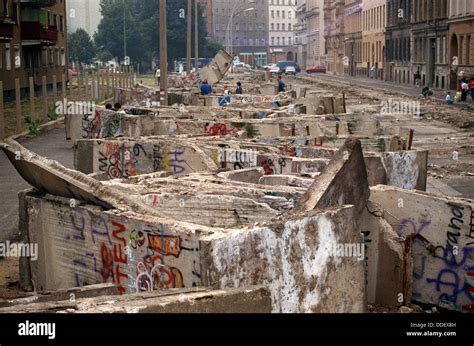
[{"x": 301, "y": 201}]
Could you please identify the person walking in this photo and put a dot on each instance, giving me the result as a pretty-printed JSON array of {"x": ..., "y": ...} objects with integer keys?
[
  {"x": 281, "y": 85},
  {"x": 464, "y": 89}
]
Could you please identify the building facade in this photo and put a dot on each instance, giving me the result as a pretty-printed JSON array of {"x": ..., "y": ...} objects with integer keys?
[
  {"x": 206, "y": 6},
  {"x": 301, "y": 34},
  {"x": 316, "y": 41},
  {"x": 281, "y": 23},
  {"x": 374, "y": 21},
  {"x": 461, "y": 41},
  {"x": 83, "y": 15},
  {"x": 242, "y": 27},
  {"x": 398, "y": 42},
  {"x": 353, "y": 38},
  {"x": 334, "y": 35},
  {"x": 430, "y": 42},
  {"x": 33, "y": 40}
]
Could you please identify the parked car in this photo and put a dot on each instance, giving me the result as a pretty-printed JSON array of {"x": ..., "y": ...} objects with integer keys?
[
  {"x": 275, "y": 69},
  {"x": 269, "y": 67},
  {"x": 284, "y": 64},
  {"x": 317, "y": 69},
  {"x": 290, "y": 70}
]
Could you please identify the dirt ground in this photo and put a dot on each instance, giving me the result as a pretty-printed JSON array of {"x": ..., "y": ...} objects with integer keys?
[{"x": 9, "y": 279}]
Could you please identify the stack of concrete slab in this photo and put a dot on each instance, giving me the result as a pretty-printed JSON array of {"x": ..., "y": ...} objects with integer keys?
[{"x": 321, "y": 209}]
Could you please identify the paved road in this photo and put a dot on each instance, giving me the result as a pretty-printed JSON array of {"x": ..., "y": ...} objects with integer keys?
[
  {"x": 408, "y": 90},
  {"x": 52, "y": 145}
]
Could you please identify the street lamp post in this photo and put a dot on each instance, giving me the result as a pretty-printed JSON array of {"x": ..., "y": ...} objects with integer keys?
[
  {"x": 163, "y": 55},
  {"x": 230, "y": 27}
]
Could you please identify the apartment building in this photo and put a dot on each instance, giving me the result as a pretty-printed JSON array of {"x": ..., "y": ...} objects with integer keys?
[
  {"x": 83, "y": 14},
  {"x": 206, "y": 6},
  {"x": 398, "y": 42},
  {"x": 242, "y": 27},
  {"x": 430, "y": 41},
  {"x": 301, "y": 35},
  {"x": 281, "y": 23},
  {"x": 374, "y": 21},
  {"x": 461, "y": 40},
  {"x": 353, "y": 38},
  {"x": 33, "y": 40},
  {"x": 315, "y": 28},
  {"x": 334, "y": 35}
]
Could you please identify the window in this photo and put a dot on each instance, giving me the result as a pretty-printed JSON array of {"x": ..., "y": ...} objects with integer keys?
[
  {"x": 8, "y": 61},
  {"x": 272, "y": 27},
  {"x": 51, "y": 56},
  {"x": 44, "y": 57},
  {"x": 63, "y": 57},
  {"x": 17, "y": 57}
]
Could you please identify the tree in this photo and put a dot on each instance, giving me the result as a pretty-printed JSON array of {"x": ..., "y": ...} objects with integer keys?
[
  {"x": 142, "y": 23},
  {"x": 81, "y": 47}
]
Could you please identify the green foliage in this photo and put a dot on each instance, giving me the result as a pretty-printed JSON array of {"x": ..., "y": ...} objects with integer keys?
[
  {"x": 52, "y": 115},
  {"x": 80, "y": 45},
  {"x": 33, "y": 125},
  {"x": 142, "y": 22},
  {"x": 251, "y": 130}
]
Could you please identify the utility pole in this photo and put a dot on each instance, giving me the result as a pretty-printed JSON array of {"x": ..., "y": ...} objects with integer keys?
[
  {"x": 163, "y": 55},
  {"x": 188, "y": 50},
  {"x": 124, "y": 35},
  {"x": 196, "y": 32}
]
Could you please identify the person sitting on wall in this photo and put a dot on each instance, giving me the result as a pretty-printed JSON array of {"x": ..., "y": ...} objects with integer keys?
[
  {"x": 426, "y": 91},
  {"x": 117, "y": 107},
  {"x": 206, "y": 88},
  {"x": 449, "y": 98}
]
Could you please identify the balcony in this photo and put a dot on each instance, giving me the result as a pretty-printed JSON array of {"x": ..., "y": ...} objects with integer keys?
[
  {"x": 38, "y": 3},
  {"x": 34, "y": 32},
  {"x": 6, "y": 32}
]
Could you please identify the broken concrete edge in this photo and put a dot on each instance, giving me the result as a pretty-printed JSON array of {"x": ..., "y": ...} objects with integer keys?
[
  {"x": 343, "y": 181},
  {"x": 199, "y": 300},
  {"x": 107, "y": 289},
  {"x": 65, "y": 182},
  {"x": 437, "y": 236}
]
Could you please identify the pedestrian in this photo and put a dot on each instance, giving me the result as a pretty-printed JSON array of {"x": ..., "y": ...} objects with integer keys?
[
  {"x": 206, "y": 89},
  {"x": 158, "y": 76},
  {"x": 449, "y": 98},
  {"x": 108, "y": 106},
  {"x": 239, "y": 89},
  {"x": 281, "y": 85},
  {"x": 471, "y": 85},
  {"x": 418, "y": 78},
  {"x": 464, "y": 89}
]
